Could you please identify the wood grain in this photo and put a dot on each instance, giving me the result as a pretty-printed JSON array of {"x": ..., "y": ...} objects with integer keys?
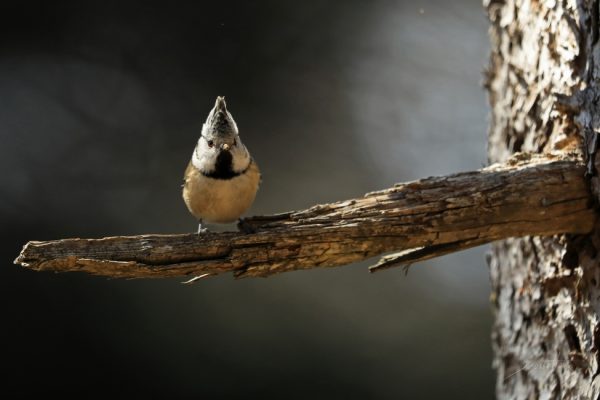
[{"x": 527, "y": 195}]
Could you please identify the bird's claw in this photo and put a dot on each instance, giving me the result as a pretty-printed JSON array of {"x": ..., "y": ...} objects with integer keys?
[{"x": 201, "y": 230}]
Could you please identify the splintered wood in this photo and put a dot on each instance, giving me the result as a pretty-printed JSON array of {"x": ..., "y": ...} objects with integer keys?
[{"x": 527, "y": 195}]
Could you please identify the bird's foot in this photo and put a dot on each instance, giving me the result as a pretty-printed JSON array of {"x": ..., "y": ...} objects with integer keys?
[{"x": 201, "y": 230}]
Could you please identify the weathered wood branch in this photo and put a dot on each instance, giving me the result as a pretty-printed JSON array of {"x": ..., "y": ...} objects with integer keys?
[{"x": 529, "y": 195}]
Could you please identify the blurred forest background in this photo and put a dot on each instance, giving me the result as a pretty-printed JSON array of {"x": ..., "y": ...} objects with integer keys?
[{"x": 101, "y": 106}]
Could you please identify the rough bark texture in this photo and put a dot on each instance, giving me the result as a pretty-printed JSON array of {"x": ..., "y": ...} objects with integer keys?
[
  {"x": 529, "y": 194},
  {"x": 545, "y": 291}
]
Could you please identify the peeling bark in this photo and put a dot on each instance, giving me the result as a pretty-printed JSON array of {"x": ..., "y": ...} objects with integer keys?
[{"x": 542, "y": 82}]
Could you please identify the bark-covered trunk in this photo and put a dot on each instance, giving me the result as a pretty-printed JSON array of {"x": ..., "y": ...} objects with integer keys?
[{"x": 542, "y": 82}]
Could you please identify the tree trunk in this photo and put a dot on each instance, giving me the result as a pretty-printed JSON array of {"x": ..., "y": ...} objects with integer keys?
[{"x": 543, "y": 89}]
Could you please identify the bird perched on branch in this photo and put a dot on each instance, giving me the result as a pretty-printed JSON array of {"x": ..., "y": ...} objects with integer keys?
[{"x": 221, "y": 179}]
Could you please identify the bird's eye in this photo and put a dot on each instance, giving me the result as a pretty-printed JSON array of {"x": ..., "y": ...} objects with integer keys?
[
  {"x": 235, "y": 142},
  {"x": 210, "y": 143}
]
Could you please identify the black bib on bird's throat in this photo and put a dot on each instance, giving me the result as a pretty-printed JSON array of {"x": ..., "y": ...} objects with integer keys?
[{"x": 223, "y": 167}]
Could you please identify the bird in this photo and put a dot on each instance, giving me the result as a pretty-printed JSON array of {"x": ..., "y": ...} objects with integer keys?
[{"x": 222, "y": 178}]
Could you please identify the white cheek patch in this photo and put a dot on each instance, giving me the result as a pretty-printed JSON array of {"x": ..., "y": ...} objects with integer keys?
[
  {"x": 203, "y": 158},
  {"x": 241, "y": 157}
]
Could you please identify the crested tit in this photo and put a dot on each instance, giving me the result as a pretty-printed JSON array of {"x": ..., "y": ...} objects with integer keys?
[{"x": 221, "y": 179}]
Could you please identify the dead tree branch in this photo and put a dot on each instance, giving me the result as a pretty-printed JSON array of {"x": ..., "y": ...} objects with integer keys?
[{"x": 528, "y": 195}]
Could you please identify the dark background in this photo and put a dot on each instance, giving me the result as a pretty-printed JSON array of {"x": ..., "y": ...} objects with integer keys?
[{"x": 101, "y": 105}]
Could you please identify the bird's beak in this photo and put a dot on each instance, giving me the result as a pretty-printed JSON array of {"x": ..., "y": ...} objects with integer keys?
[{"x": 225, "y": 146}]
